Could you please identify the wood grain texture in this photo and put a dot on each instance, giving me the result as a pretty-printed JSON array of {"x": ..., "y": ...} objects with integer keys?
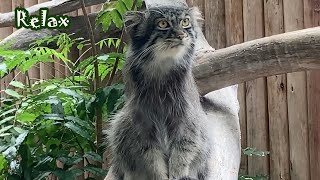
[
  {"x": 234, "y": 35},
  {"x": 312, "y": 19},
  {"x": 46, "y": 69},
  {"x": 215, "y": 16},
  {"x": 277, "y": 100},
  {"x": 33, "y": 72},
  {"x": 297, "y": 101},
  {"x": 278, "y": 54},
  {"x": 256, "y": 95},
  {"x": 19, "y": 76}
]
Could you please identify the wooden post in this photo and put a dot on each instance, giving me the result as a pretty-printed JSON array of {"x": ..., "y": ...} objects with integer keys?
[
  {"x": 311, "y": 19},
  {"x": 214, "y": 16},
  {"x": 234, "y": 35},
  {"x": 297, "y": 101},
  {"x": 6, "y": 6},
  {"x": 34, "y": 72},
  {"x": 277, "y": 100},
  {"x": 256, "y": 97},
  {"x": 19, "y": 76},
  {"x": 201, "y": 5},
  {"x": 47, "y": 68}
]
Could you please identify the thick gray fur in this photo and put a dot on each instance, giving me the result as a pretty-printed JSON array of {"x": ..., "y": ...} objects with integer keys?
[{"x": 161, "y": 133}]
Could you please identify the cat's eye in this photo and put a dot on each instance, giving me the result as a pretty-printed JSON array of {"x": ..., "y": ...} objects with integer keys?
[
  {"x": 163, "y": 24},
  {"x": 185, "y": 23}
]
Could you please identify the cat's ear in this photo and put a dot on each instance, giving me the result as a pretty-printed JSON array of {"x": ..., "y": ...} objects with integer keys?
[
  {"x": 132, "y": 19},
  {"x": 196, "y": 15}
]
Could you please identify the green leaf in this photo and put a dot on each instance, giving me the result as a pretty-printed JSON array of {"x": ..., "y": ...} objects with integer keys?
[
  {"x": 3, "y": 68},
  {"x": 69, "y": 161},
  {"x": 56, "y": 117},
  {"x": 96, "y": 171},
  {"x": 50, "y": 87},
  {"x": 3, "y": 163},
  {"x": 12, "y": 93},
  {"x": 21, "y": 138},
  {"x": 78, "y": 130},
  {"x": 70, "y": 92},
  {"x": 43, "y": 161},
  {"x": 6, "y": 120},
  {"x": 43, "y": 175},
  {"x": 8, "y": 112},
  {"x": 103, "y": 57},
  {"x": 19, "y": 130},
  {"x": 118, "y": 43},
  {"x": 17, "y": 84},
  {"x": 128, "y": 3},
  {"x": 254, "y": 152},
  {"x": 117, "y": 18},
  {"x": 26, "y": 117},
  {"x": 93, "y": 156},
  {"x": 79, "y": 121},
  {"x": 80, "y": 46},
  {"x": 5, "y": 129},
  {"x": 257, "y": 177}
]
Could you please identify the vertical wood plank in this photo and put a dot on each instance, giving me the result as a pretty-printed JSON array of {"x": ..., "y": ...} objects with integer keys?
[
  {"x": 96, "y": 8},
  {"x": 47, "y": 68},
  {"x": 215, "y": 30},
  {"x": 256, "y": 95},
  {"x": 311, "y": 19},
  {"x": 201, "y": 5},
  {"x": 297, "y": 101},
  {"x": 234, "y": 35},
  {"x": 6, "y": 6},
  {"x": 74, "y": 52},
  {"x": 34, "y": 72},
  {"x": 277, "y": 100},
  {"x": 19, "y": 76}
]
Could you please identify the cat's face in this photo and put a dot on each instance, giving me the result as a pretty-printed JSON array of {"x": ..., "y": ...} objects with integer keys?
[{"x": 167, "y": 34}]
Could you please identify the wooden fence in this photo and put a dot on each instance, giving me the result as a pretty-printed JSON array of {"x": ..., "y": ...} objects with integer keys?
[{"x": 280, "y": 114}]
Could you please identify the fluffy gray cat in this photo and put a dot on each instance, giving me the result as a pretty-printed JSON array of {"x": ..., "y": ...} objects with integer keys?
[{"x": 161, "y": 131}]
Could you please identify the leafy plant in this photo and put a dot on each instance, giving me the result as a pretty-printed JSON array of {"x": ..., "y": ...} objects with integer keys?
[
  {"x": 253, "y": 152},
  {"x": 47, "y": 127}
]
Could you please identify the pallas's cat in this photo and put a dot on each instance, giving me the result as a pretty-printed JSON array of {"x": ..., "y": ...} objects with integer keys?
[{"x": 161, "y": 131}]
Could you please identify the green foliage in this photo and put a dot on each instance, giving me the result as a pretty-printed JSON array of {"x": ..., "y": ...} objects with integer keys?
[
  {"x": 253, "y": 152},
  {"x": 258, "y": 177},
  {"x": 113, "y": 12},
  {"x": 50, "y": 121}
]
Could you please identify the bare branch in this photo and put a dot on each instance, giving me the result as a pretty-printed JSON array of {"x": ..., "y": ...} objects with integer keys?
[
  {"x": 55, "y": 7},
  {"x": 279, "y": 54}
]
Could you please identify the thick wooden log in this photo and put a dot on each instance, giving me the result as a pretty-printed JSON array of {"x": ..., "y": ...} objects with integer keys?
[
  {"x": 55, "y": 7},
  {"x": 278, "y": 54}
]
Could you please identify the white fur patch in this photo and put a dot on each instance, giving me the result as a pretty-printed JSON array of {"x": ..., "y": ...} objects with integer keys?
[{"x": 166, "y": 59}]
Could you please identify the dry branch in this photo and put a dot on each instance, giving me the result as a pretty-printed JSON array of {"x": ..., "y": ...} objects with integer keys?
[
  {"x": 283, "y": 53},
  {"x": 55, "y": 7}
]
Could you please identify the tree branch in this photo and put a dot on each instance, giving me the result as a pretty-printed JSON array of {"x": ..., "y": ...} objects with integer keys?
[
  {"x": 55, "y": 7},
  {"x": 279, "y": 54}
]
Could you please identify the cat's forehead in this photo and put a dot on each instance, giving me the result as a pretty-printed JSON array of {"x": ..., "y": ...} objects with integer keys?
[{"x": 168, "y": 12}]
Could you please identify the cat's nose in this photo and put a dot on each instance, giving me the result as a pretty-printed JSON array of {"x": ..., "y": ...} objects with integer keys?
[{"x": 181, "y": 35}]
